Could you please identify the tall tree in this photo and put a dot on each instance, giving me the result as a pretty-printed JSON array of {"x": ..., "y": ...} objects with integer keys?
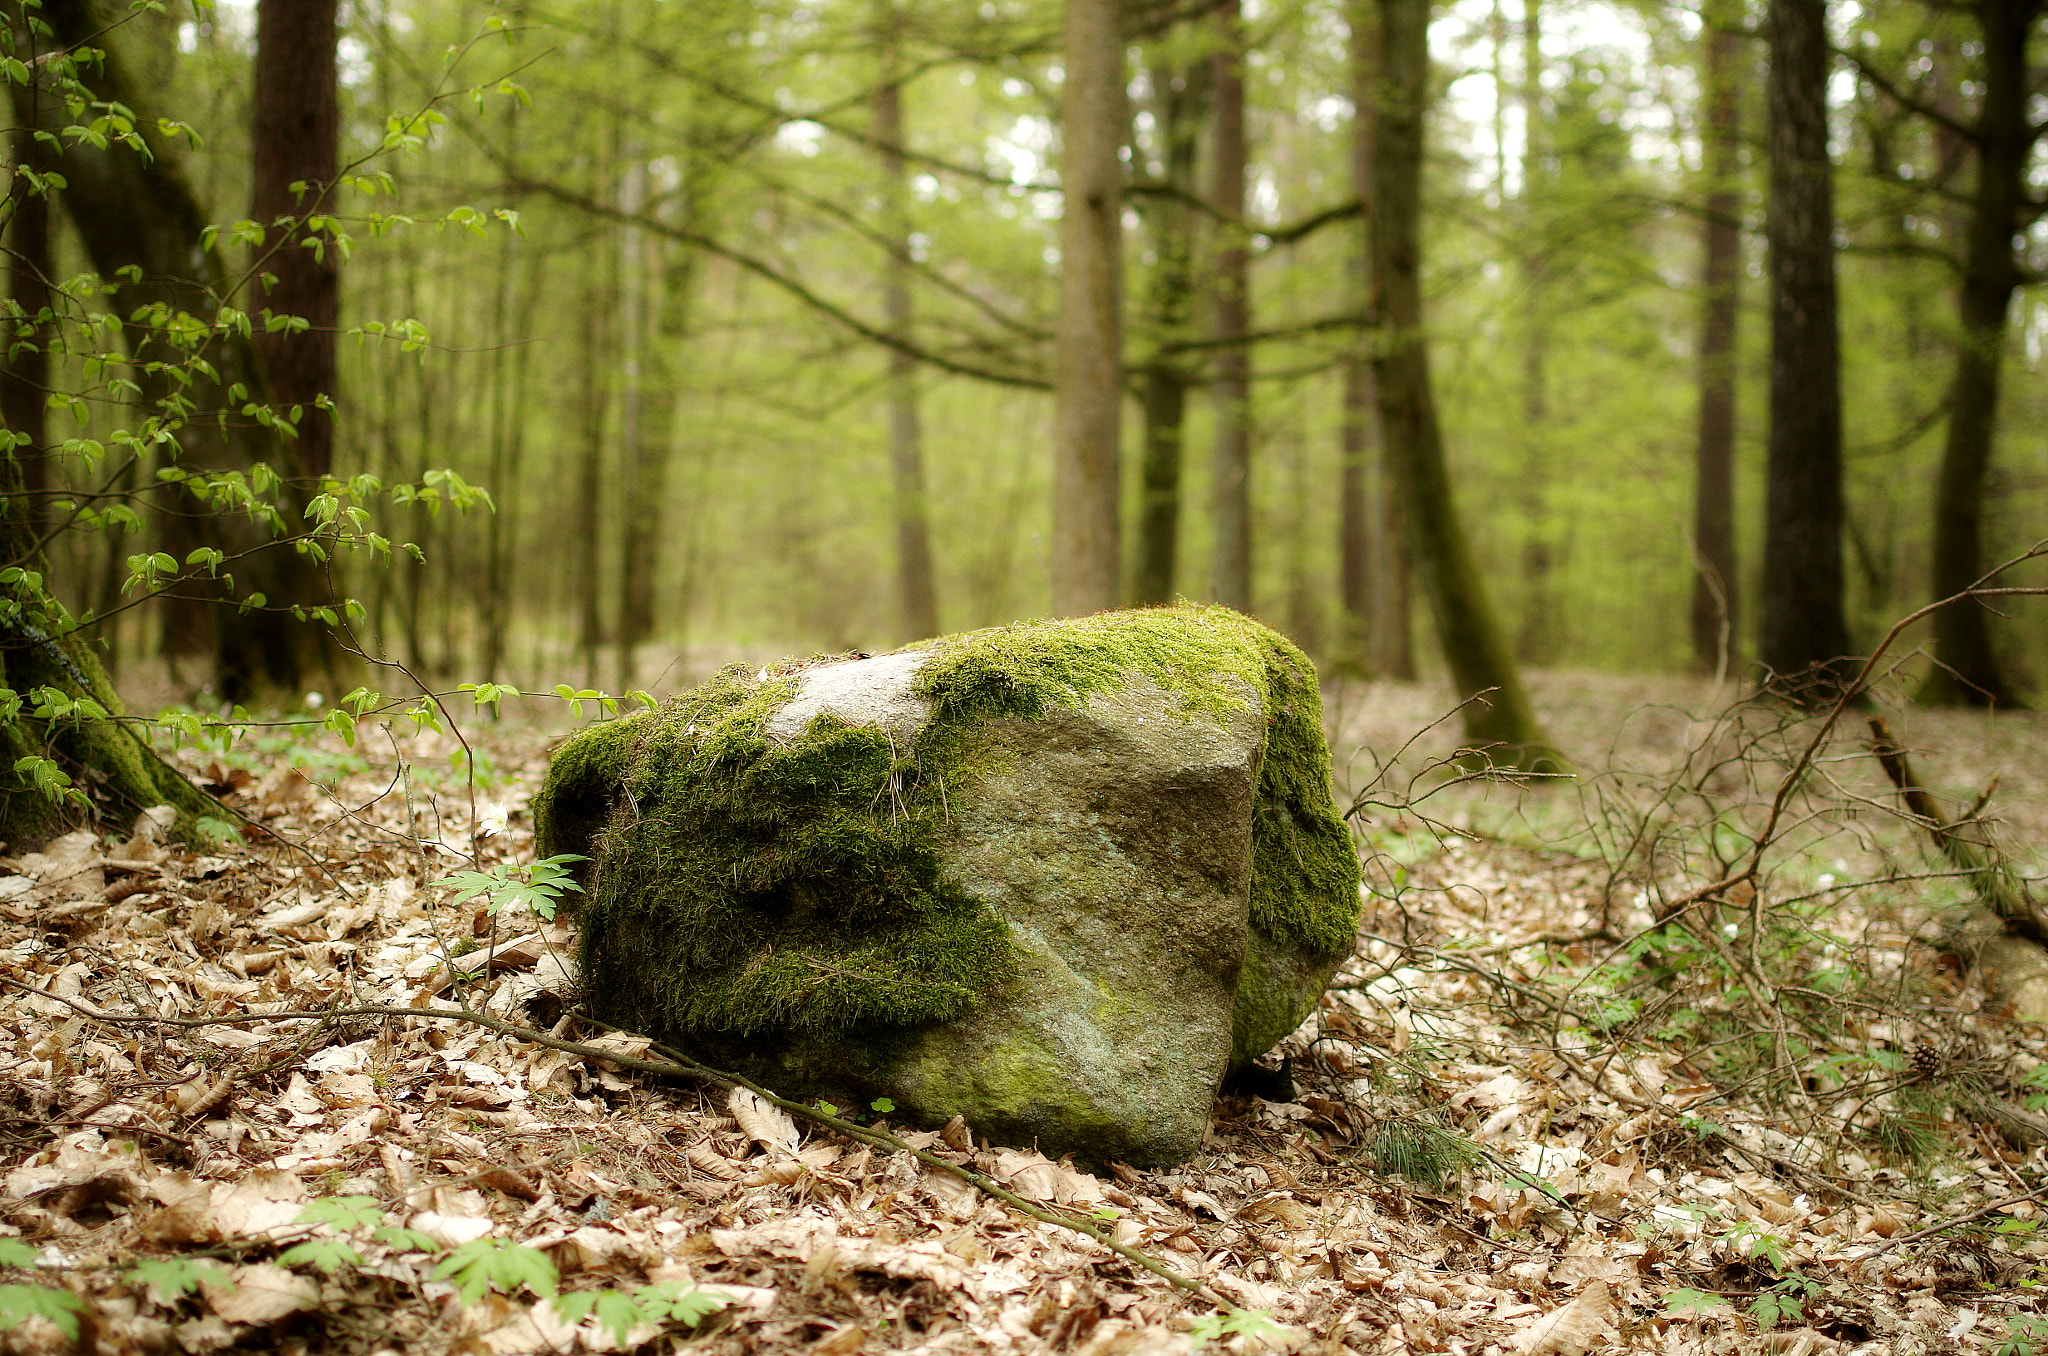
[
  {"x": 1715, "y": 616},
  {"x": 1536, "y": 635},
  {"x": 1803, "y": 632},
  {"x": 25, "y": 375},
  {"x": 141, "y": 226},
  {"x": 1231, "y": 383},
  {"x": 1474, "y": 646},
  {"x": 1373, "y": 568},
  {"x": 917, "y": 595},
  {"x": 1967, "y": 670},
  {"x": 1088, "y": 343},
  {"x": 295, "y": 133},
  {"x": 1179, "y": 90}
]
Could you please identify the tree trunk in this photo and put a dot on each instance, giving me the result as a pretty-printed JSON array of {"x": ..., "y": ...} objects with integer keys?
[
  {"x": 1715, "y": 615},
  {"x": 1474, "y": 646},
  {"x": 1536, "y": 635},
  {"x": 917, "y": 594},
  {"x": 1803, "y": 633},
  {"x": 1374, "y": 580},
  {"x": 25, "y": 375},
  {"x": 1088, "y": 361},
  {"x": 141, "y": 227},
  {"x": 1178, "y": 94},
  {"x": 1967, "y": 671},
  {"x": 643, "y": 430},
  {"x": 106, "y": 761},
  {"x": 1231, "y": 385},
  {"x": 295, "y": 131}
]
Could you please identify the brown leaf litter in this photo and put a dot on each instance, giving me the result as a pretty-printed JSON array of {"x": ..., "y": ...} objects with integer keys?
[{"x": 125, "y": 1147}]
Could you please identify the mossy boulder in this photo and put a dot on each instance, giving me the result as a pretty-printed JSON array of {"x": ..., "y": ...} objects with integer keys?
[{"x": 1057, "y": 877}]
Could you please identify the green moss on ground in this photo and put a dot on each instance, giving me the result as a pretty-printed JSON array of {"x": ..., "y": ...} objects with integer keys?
[{"x": 797, "y": 886}]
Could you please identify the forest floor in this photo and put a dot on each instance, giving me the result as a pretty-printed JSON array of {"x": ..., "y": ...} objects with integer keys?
[{"x": 1496, "y": 1135}]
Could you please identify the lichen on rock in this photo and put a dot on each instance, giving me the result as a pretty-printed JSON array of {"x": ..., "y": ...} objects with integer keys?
[{"x": 972, "y": 875}]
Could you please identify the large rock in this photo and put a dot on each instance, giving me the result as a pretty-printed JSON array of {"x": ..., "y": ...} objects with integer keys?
[{"x": 1056, "y": 878}]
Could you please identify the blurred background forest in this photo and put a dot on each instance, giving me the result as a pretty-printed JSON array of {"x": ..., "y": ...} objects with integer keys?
[{"x": 766, "y": 364}]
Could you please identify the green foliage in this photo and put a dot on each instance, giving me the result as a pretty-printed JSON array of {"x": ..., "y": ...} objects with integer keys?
[
  {"x": 2025, "y": 1335},
  {"x": 536, "y": 889},
  {"x": 1252, "y": 1323},
  {"x": 1784, "y": 1302},
  {"x": 171, "y": 1277},
  {"x": 882, "y": 1105},
  {"x": 347, "y": 1213},
  {"x": 1686, "y": 1303},
  {"x": 20, "y": 1303},
  {"x": 1425, "y": 1153},
  {"x": 661, "y": 1303},
  {"x": 497, "y": 1264},
  {"x": 324, "y": 1254}
]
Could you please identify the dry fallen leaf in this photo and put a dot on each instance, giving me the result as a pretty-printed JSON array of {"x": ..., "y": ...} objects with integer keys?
[
  {"x": 765, "y": 1123},
  {"x": 1569, "y": 1331}
]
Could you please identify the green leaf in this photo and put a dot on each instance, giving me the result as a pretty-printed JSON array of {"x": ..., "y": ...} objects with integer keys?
[
  {"x": 19, "y": 1303},
  {"x": 615, "y": 1311},
  {"x": 1682, "y": 1302},
  {"x": 346, "y": 1213},
  {"x": 15, "y": 1253},
  {"x": 680, "y": 1302},
  {"x": 883, "y": 1105},
  {"x": 171, "y": 1277},
  {"x": 496, "y": 1264},
  {"x": 328, "y": 1254},
  {"x": 400, "y": 1239}
]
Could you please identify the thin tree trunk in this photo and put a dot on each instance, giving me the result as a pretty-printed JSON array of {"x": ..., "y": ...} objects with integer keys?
[
  {"x": 1967, "y": 671},
  {"x": 25, "y": 377},
  {"x": 1232, "y": 384},
  {"x": 917, "y": 595},
  {"x": 1088, "y": 361},
  {"x": 1178, "y": 94},
  {"x": 1803, "y": 633},
  {"x": 589, "y": 503},
  {"x": 1374, "y": 582},
  {"x": 1474, "y": 646},
  {"x": 1715, "y": 614},
  {"x": 295, "y": 133},
  {"x": 1536, "y": 636},
  {"x": 642, "y": 450}
]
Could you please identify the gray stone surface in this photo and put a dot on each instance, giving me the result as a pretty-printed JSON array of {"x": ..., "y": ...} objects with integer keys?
[{"x": 1115, "y": 841}]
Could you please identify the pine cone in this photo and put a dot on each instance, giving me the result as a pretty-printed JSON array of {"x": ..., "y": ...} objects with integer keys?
[{"x": 1925, "y": 1058}]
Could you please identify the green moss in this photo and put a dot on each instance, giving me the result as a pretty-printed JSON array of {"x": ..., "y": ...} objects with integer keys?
[
  {"x": 120, "y": 774},
  {"x": 1304, "y": 870},
  {"x": 584, "y": 778},
  {"x": 747, "y": 887}
]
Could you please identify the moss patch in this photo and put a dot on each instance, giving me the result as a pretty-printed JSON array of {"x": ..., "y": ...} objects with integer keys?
[{"x": 748, "y": 886}]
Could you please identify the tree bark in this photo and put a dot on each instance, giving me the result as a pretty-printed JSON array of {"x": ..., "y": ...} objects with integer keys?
[
  {"x": 295, "y": 131},
  {"x": 141, "y": 227},
  {"x": 1715, "y": 614},
  {"x": 1803, "y": 632},
  {"x": 1474, "y": 646},
  {"x": 1373, "y": 584},
  {"x": 1536, "y": 634},
  {"x": 1088, "y": 361},
  {"x": 917, "y": 594},
  {"x": 1231, "y": 382},
  {"x": 1967, "y": 670},
  {"x": 25, "y": 375},
  {"x": 1178, "y": 94}
]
